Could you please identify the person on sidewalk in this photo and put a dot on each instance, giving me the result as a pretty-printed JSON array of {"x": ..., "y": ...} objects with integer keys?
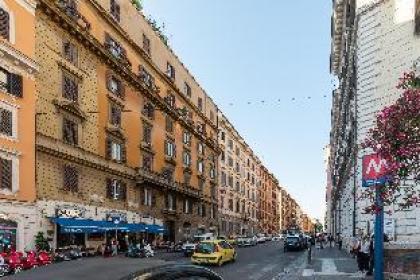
[
  {"x": 365, "y": 254},
  {"x": 330, "y": 239},
  {"x": 339, "y": 241}
]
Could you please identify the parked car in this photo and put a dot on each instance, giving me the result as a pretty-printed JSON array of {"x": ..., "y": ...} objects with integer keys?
[
  {"x": 188, "y": 248},
  {"x": 261, "y": 238},
  {"x": 246, "y": 241},
  {"x": 231, "y": 241},
  {"x": 293, "y": 242},
  {"x": 277, "y": 238},
  {"x": 215, "y": 252}
]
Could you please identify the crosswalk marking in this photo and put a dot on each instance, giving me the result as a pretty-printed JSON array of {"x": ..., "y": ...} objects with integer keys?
[{"x": 328, "y": 266}]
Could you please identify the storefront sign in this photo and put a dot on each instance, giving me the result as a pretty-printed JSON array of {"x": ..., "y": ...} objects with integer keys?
[
  {"x": 70, "y": 212},
  {"x": 113, "y": 216}
]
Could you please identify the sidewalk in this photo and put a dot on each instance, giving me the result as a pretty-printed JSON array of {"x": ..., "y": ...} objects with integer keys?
[{"x": 330, "y": 263}]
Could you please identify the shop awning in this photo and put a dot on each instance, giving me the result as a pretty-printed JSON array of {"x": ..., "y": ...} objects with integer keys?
[{"x": 72, "y": 225}]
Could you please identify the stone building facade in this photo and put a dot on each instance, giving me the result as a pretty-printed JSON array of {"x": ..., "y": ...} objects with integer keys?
[
  {"x": 18, "y": 215},
  {"x": 269, "y": 216},
  {"x": 122, "y": 127},
  {"x": 237, "y": 183}
]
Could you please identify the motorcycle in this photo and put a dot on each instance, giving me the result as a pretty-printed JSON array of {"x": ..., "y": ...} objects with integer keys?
[
  {"x": 30, "y": 261},
  {"x": 135, "y": 252},
  {"x": 4, "y": 267},
  {"x": 44, "y": 258}
]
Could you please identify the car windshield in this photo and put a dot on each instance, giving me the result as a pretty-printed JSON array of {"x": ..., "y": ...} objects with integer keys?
[
  {"x": 292, "y": 239},
  {"x": 205, "y": 248}
]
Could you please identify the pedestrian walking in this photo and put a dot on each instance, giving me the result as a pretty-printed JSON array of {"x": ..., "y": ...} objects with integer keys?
[
  {"x": 114, "y": 247},
  {"x": 330, "y": 239},
  {"x": 339, "y": 241}
]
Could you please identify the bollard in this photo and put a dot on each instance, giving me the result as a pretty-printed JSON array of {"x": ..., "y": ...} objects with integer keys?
[{"x": 310, "y": 255}]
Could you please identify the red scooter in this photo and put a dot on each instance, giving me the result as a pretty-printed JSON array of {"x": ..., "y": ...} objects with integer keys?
[
  {"x": 30, "y": 261},
  {"x": 44, "y": 258},
  {"x": 15, "y": 262}
]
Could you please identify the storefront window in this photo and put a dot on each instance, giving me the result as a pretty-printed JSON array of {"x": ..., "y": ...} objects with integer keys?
[{"x": 7, "y": 235}]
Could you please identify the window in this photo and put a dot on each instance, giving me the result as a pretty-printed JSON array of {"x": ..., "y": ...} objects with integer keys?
[
  {"x": 222, "y": 156},
  {"x": 6, "y": 172},
  {"x": 170, "y": 149},
  {"x": 148, "y": 162},
  {"x": 70, "y": 179},
  {"x": 237, "y": 151},
  {"x": 230, "y": 181},
  {"x": 70, "y": 87},
  {"x": 6, "y": 122},
  {"x": 170, "y": 71},
  {"x": 115, "y": 10},
  {"x": 238, "y": 186},
  {"x": 223, "y": 178},
  {"x": 146, "y": 77},
  {"x": 4, "y": 24},
  {"x": 186, "y": 138},
  {"x": 187, "y": 89},
  {"x": 186, "y": 158},
  {"x": 70, "y": 52},
  {"x": 222, "y": 203},
  {"x": 115, "y": 150},
  {"x": 223, "y": 136},
  {"x": 114, "y": 47},
  {"x": 200, "y": 166},
  {"x": 115, "y": 114},
  {"x": 230, "y": 204},
  {"x": 230, "y": 144},
  {"x": 212, "y": 173},
  {"x": 11, "y": 83},
  {"x": 187, "y": 207},
  {"x": 70, "y": 132},
  {"x": 201, "y": 128},
  {"x": 200, "y": 104},
  {"x": 203, "y": 210},
  {"x": 147, "y": 133},
  {"x": 211, "y": 115},
  {"x": 115, "y": 86},
  {"x": 148, "y": 197},
  {"x": 213, "y": 192},
  {"x": 116, "y": 189},
  {"x": 230, "y": 161},
  {"x": 169, "y": 124},
  {"x": 148, "y": 110},
  {"x": 168, "y": 174},
  {"x": 237, "y": 209},
  {"x": 238, "y": 169},
  {"x": 200, "y": 148},
  {"x": 170, "y": 202},
  {"x": 146, "y": 45}
]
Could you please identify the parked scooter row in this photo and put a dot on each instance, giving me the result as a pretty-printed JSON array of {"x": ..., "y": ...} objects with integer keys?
[
  {"x": 14, "y": 262},
  {"x": 138, "y": 252}
]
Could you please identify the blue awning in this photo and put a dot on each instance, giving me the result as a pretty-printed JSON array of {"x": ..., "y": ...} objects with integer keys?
[{"x": 154, "y": 229}]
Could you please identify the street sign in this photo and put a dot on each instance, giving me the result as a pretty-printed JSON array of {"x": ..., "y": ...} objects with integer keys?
[{"x": 374, "y": 171}]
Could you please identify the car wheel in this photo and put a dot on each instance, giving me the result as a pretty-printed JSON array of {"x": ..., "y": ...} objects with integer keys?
[{"x": 234, "y": 257}]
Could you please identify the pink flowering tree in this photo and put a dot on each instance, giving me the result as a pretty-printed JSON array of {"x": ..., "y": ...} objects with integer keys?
[{"x": 396, "y": 138}]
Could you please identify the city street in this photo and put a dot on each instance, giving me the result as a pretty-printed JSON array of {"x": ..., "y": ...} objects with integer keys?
[{"x": 265, "y": 261}]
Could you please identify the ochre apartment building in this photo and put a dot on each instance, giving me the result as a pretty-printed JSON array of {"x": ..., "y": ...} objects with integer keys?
[
  {"x": 124, "y": 132},
  {"x": 18, "y": 216}
]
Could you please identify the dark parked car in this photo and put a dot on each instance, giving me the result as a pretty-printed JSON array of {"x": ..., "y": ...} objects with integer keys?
[
  {"x": 293, "y": 243},
  {"x": 174, "y": 272}
]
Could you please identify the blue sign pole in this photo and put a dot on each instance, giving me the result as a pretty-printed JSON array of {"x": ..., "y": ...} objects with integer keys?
[{"x": 379, "y": 237}]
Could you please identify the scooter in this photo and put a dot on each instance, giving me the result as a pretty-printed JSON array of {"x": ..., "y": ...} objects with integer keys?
[
  {"x": 30, "y": 261},
  {"x": 134, "y": 252},
  {"x": 148, "y": 251},
  {"x": 44, "y": 258},
  {"x": 15, "y": 262},
  {"x": 4, "y": 267}
]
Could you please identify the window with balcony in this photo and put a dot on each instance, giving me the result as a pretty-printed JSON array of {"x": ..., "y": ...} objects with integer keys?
[
  {"x": 70, "y": 132},
  {"x": 146, "y": 45},
  {"x": 115, "y": 113},
  {"x": 115, "y": 85},
  {"x": 70, "y": 52},
  {"x": 116, "y": 189},
  {"x": 170, "y": 71},
  {"x": 170, "y": 100},
  {"x": 11, "y": 83},
  {"x": 115, "y": 10},
  {"x": 147, "y": 162},
  {"x": 170, "y": 149},
  {"x": 187, "y": 89},
  {"x": 115, "y": 48},
  {"x": 70, "y": 87},
  {"x": 70, "y": 179}
]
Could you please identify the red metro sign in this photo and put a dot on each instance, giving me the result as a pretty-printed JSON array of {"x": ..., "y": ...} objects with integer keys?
[{"x": 374, "y": 170}]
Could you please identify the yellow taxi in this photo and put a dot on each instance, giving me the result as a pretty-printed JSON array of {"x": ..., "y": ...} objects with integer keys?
[{"x": 213, "y": 252}]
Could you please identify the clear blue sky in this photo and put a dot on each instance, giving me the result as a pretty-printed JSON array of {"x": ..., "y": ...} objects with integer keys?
[{"x": 247, "y": 51}]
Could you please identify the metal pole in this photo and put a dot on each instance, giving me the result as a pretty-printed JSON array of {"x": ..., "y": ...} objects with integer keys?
[{"x": 379, "y": 237}]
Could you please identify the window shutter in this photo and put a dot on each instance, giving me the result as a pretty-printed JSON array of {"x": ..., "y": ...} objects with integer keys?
[
  {"x": 109, "y": 191},
  {"x": 153, "y": 198},
  {"x": 174, "y": 150},
  {"x": 123, "y": 153},
  {"x": 6, "y": 174},
  {"x": 6, "y": 122},
  {"x": 108, "y": 148},
  {"x": 123, "y": 191},
  {"x": 4, "y": 24},
  {"x": 16, "y": 85}
]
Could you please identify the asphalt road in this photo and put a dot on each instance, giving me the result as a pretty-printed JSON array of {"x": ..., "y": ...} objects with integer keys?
[{"x": 263, "y": 262}]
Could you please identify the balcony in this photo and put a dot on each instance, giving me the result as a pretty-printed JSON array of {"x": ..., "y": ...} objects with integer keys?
[
  {"x": 169, "y": 212},
  {"x": 69, "y": 7}
]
